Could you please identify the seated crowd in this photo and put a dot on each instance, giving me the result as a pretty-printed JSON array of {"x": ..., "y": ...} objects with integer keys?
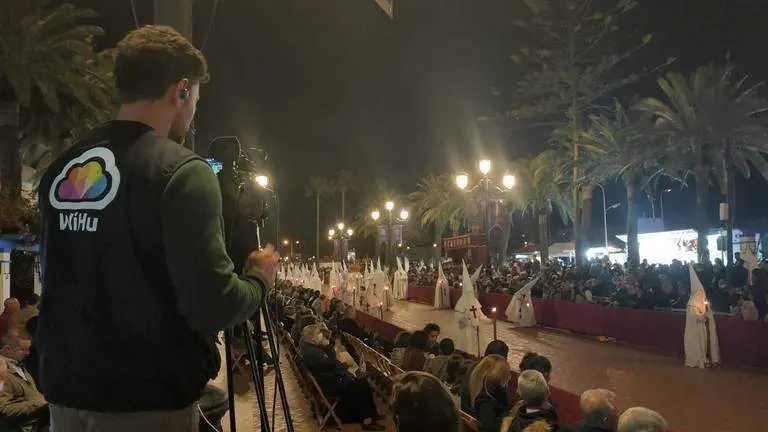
[
  {"x": 439, "y": 382},
  {"x": 22, "y": 406}
]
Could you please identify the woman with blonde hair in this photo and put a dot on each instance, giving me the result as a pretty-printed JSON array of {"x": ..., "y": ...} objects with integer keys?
[{"x": 488, "y": 392}]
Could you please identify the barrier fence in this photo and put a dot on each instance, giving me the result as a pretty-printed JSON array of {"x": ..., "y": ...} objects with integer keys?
[{"x": 742, "y": 343}]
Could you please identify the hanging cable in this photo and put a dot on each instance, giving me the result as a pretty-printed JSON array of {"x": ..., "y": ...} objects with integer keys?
[
  {"x": 210, "y": 24},
  {"x": 135, "y": 17}
]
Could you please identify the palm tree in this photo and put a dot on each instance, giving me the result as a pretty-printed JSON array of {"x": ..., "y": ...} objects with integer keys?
[
  {"x": 377, "y": 194},
  {"x": 618, "y": 147},
  {"x": 48, "y": 71},
  {"x": 440, "y": 205},
  {"x": 342, "y": 184},
  {"x": 711, "y": 124},
  {"x": 542, "y": 188},
  {"x": 318, "y": 187}
]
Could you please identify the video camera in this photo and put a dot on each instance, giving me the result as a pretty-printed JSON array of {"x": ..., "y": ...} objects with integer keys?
[{"x": 245, "y": 204}]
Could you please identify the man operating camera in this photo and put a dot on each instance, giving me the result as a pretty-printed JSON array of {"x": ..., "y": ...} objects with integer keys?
[{"x": 136, "y": 278}]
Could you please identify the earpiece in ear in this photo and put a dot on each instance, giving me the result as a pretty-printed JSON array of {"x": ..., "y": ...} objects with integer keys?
[{"x": 184, "y": 94}]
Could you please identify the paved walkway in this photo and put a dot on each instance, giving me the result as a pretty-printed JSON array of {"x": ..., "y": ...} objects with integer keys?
[
  {"x": 247, "y": 410},
  {"x": 692, "y": 400}
]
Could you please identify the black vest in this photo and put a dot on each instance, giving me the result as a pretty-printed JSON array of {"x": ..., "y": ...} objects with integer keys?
[{"x": 110, "y": 336}]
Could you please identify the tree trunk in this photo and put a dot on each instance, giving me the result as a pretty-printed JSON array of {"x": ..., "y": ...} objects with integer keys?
[
  {"x": 633, "y": 247},
  {"x": 505, "y": 243},
  {"x": 702, "y": 197},
  {"x": 10, "y": 163},
  {"x": 438, "y": 240},
  {"x": 317, "y": 227},
  {"x": 586, "y": 214},
  {"x": 543, "y": 236},
  {"x": 730, "y": 196},
  {"x": 10, "y": 150}
]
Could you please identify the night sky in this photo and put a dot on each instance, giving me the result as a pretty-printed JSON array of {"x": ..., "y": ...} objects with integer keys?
[{"x": 332, "y": 84}]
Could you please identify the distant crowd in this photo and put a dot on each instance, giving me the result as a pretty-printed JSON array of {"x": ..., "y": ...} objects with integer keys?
[{"x": 730, "y": 291}]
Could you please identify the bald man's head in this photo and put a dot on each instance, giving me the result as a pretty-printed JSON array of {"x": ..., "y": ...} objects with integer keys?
[{"x": 598, "y": 407}]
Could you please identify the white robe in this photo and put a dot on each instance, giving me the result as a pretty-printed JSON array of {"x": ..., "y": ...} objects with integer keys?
[
  {"x": 698, "y": 337},
  {"x": 400, "y": 285},
  {"x": 520, "y": 308},
  {"x": 467, "y": 334},
  {"x": 442, "y": 294}
]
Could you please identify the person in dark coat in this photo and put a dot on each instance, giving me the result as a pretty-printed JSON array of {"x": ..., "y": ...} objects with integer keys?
[
  {"x": 356, "y": 403},
  {"x": 534, "y": 405},
  {"x": 598, "y": 408}
]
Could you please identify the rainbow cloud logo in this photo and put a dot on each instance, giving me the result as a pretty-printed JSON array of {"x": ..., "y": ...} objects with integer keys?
[{"x": 88, "y": 182}]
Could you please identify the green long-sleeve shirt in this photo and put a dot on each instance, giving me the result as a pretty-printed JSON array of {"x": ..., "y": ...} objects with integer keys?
[{"x": 210, "y": 295}]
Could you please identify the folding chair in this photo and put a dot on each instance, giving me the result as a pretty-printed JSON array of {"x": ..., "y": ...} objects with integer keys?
[{"x": 324, "y": 408}]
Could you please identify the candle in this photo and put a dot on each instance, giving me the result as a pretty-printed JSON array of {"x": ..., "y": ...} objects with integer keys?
[{"x": 493, "y": 315}]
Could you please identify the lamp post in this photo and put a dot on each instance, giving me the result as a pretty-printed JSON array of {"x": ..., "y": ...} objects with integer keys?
[
  {"x": 287, "y": 243},
  {"x": 605, "y": 217},
  {"x": 401, "y": 217},
  {"x": 341, "y": 236},
  {"x": 487, "y": 185},
  {"x": 662, "y": 203}
]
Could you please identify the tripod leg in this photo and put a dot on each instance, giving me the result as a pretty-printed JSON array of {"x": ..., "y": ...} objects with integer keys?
[
  {"x": 278, "y": 373},
  {"x": 257, "y": 373},
  {"x": 230, "y": 382}
]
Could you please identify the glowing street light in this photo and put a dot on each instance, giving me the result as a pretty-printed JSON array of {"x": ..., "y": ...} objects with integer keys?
[
  {"x": 350, "y": 232},
  {"x": 508, "y": 181},
  {"x": 375, "y": 215},
  {"x": 404, "y": 214},
  {"x": 261, "y": 180},
  {"x": 285, "y": 242},
  {"x": 331, "y": 232},
  {"x": 462, "y": 181},
  {"x": 340, "y": 226},
  {"x": 485, "y": 166},
  {"x": 389, "y": 205}
]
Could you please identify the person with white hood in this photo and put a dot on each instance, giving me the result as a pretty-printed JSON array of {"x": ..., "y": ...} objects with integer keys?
[
  {"x": 442, "y": 290},
  {"x": 702, "y": 348},
  {"x": 468, "y": 316},
  {"x": 399, "y": 282},
  {"x": 520, "y": 309}
]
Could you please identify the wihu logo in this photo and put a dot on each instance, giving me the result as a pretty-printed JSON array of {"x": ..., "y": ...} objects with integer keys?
[
  {"x": 78, "y": 222},
  {"x": 88, "y": 182}
]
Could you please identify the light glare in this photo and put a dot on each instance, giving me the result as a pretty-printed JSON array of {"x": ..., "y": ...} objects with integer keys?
[
  {"x": 485, "y": 166},
  {"x": 462, "y": 181}
]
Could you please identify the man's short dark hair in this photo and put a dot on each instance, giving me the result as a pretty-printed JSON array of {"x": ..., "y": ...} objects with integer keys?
[
  {"x": 431, "y": 327},
  {"x": 33, "y": 299},
  {"x": 497, "y": 347},
  {"x": 446, "y": 346},
  {"x": 151, "y": 58}
]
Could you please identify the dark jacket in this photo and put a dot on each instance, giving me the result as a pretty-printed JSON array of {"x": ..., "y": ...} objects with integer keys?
[
  {"x": 329, "y": 373},
  {"x": 490, "y": 408},
  {"x": 581, "y": 427},
  {"x": 137, "y": 280},
  {"x": 523, "y": 419},
  {"x": 466, "y": 404}
]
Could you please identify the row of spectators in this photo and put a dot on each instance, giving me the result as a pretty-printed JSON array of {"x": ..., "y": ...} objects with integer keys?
[
  {"x": 22, "y": 406},
  {"x": 439, "y": 380},
  {"x": 731, "y": 291}
]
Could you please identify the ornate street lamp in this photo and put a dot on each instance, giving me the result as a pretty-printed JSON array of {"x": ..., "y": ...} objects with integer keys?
[{"x": 486, "y": 185}]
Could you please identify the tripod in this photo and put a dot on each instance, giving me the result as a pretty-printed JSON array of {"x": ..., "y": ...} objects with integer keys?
[{"x": 257, "y": 369}]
